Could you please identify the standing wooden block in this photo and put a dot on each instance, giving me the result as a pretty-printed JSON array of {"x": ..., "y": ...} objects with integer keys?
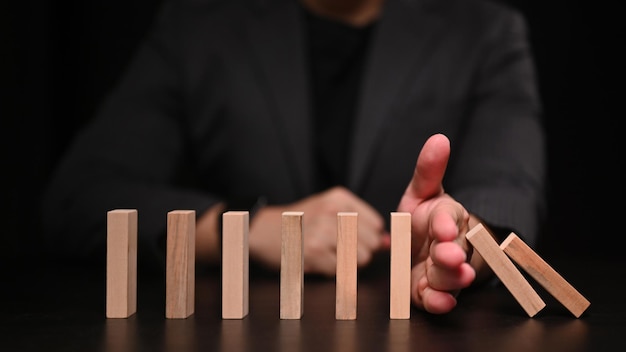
[
  {"x": 291, "y": 266},
  {"x": 346, "y": 295},
  {"x": 504, "y": 268},
  {"x": 235, "y": 264},
  {"x": 121, "y": 301},
  {"x": 400, "y": 276},
  {"x": 545, "y": 275},
  {"x": 180, "y": 264}
]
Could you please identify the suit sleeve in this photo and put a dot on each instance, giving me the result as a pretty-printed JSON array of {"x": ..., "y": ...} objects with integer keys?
[{"x": 499, "y": 166}]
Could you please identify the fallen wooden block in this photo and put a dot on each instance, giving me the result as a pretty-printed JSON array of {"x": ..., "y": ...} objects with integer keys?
[
  {"x": 505, "y": 270},
  {"x": 545, "y": 275}
]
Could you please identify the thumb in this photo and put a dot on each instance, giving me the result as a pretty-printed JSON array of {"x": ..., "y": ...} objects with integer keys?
[{"x": 429, "y": 171}]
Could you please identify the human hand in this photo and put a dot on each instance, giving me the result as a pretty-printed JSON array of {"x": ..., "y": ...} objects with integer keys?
[
  {"x": 438, "y": 224},
  {"x": 320, "y": 231}
]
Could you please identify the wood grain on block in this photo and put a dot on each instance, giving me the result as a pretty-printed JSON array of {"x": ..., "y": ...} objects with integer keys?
[
  {"x": 121, "y": 291},
  {"x": 291, "y": 266},
  {"x": 180, "y": 264},
  {"x": 505, "y": 269},
  {"x": 400, "y": 275},
  {"x": 545, "y": 275},
  {"x": 235, "y": 265},
  {"x": 346, "y": 276}
]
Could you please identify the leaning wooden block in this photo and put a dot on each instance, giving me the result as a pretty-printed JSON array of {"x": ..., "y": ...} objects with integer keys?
[
  {"x": 400, "y": 275},
  {"x": 291, "y": 266},
  {"x": 545, "y": 275},
  {"x": 346, "y": 276},
  {"x": 121, "y": 291},
  {"x": 235, "y": 264},
  {"x": 180, "y": 264},
  {"x": 505, "y": 269}
]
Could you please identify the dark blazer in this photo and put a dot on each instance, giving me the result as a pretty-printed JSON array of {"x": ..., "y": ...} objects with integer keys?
[{"x": 215, "y": 105}]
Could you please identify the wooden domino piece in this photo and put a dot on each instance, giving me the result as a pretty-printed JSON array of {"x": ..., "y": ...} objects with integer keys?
[
  {"x": 180, "y": 264},
  {"x": 235, "y": 265},
  {"x": 346, "y": 276},
  {"x": 545, "y": 275},
  {"x": 121, "y": 291},
  {"x": 291, "y": 266},
  {"x": 400, "y": 270},
  {"x": 505, "y": 269}
]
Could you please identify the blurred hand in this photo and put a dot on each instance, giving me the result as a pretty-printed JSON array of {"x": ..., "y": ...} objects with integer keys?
[{"x": 320, "y": 231}]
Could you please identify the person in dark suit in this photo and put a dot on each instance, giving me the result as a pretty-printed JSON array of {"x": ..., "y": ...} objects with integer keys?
[{"x": 318, "y": 106}]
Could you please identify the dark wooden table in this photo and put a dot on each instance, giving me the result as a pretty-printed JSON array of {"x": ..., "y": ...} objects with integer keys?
[{"x": 53, "y": 307}]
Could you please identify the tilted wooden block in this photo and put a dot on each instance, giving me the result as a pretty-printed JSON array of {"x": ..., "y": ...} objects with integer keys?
[
  {"x": 505, "y": 269},
  {"x": 235, "y": 265},
  {"x": 121, "y": 291},
  {"x": 180, "y": 264},
  {"x": 545, "y": 275},
  {"x": 400, "y": 275},
  {"x": 291, "y": 266}
]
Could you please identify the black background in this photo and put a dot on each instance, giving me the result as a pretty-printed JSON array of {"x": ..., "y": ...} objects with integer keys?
[{"x": 59, "y": 58}]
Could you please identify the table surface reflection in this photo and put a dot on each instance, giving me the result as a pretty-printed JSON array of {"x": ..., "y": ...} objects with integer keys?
[{"x": 61, "y": 308}]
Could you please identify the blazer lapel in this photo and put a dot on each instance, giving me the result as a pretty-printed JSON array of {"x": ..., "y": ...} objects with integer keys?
[
  {"x": 400, "y": 44},
  {"x": 276, "y": 32}
]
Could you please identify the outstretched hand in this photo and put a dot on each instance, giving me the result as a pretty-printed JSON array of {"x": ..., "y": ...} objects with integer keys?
[{"x": 438, "y": 224}]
